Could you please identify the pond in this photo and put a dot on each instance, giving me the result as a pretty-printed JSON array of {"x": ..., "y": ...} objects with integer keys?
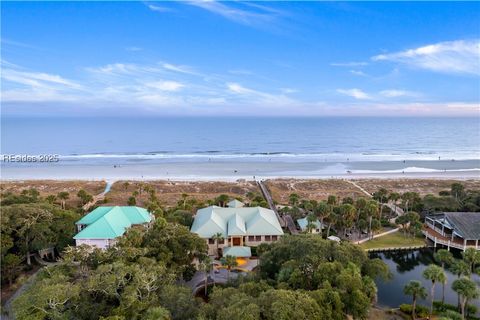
[{"x": 409, "y": 265}]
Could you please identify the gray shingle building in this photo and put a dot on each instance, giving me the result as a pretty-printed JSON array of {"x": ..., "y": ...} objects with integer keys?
[{"x": 459, "y": 230}]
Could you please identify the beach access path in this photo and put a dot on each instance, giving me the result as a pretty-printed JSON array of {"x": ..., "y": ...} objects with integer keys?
[
  {"x": 271, "y": 204},
  {"x": 98, "y": 197},
  {"x": 398, "y": 211}
]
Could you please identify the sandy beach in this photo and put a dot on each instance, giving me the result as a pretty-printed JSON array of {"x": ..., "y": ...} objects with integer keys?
[{"x": 233, "y": 170}]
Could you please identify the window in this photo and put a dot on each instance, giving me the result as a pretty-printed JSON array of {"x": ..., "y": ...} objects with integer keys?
[
  {"x": 211, "y": 241},
  {"x": 251, "y": 238},
  {"x": 274, "y": 238},
  {"x": 267, "y": 238},
  {"x": 258, "y": 238}
]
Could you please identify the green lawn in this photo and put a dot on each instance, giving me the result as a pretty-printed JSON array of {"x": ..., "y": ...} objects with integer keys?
[{"x": 395, "y": 239}]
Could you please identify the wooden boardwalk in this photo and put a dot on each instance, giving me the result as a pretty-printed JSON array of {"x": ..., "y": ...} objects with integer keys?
[
  {"x": 271, "y": 204},
  {"x": 395, "y": 248},
  {"x": 398, "y": 211},
  {"x": 290, "y": 224},
  {"x": 99, "y": 197}
]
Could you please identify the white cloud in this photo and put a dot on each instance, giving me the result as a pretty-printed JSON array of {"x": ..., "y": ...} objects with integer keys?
[
  {"x": 133, "y": 49},
  {"x": 158, "y": 8},
  {"x": 241, "y": 72},
  {"x": 349, "y": 64},
  {"x": 165, "y": 85},
  {"x": 358, "y": 73},
  {"x": 259, "y": 14},
  {"x": 161, "y": 88},
  {"x": 259, "y": 97},
  {"x": 178, "y": 68},
  {"x": 354, "y": 93},
  {"x": 456, "y": 57},
  {"x": 394, "y": 93},
  {"x": 36, "y": 79},
  {"x": 289, "y": 90}
]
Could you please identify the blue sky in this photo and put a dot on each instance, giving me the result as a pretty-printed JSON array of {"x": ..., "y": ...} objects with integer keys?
[{"x": 241, "y": 58}]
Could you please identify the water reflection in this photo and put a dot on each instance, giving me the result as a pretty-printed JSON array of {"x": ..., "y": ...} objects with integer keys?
[{"x": 409, "y": 265}]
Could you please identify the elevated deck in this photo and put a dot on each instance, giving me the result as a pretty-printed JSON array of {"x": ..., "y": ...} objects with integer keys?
[{"x": 437, "y": 238}]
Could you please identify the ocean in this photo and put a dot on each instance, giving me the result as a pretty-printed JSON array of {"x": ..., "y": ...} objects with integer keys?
[{"x": 326, "y": 145}]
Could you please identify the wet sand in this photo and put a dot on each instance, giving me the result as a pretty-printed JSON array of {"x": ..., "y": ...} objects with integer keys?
[{"x": 234, "y": 170}]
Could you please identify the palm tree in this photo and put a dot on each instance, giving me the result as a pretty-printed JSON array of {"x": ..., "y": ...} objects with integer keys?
[
  {"x": 218, "y": 237},
  {"x": 443, "y": 257},
  {"x": 311, "y": 218},
  {"x": 51, "y": 198},
  {"x": 375, "y": 226},
  {"x": 466, "y": 289},
  {"x": 348, "y": 213},
  {"x": 472, "y": 258},
  {"x": 394, "y": 197},
  {"x": 222, "y": 200},
  {"x": 332, "y": 218},
  {"x": 293, "y": 199},
  {"x": 460, "y": 268},
  {"x": 416, "y": 290},
  {"x": 435, "y": 274},
  {"x": 206, "y": 265},
  {"x": 184, "y": 198},
  {"x": 371, "y": 210},
  {"x": 322, "y": 211},
  {"x": 230, "y": 262},
  {"x": 332, "y": 200},
  {"x": 63, "y": 196}
]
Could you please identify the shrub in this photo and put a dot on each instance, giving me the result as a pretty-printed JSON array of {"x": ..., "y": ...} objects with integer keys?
[
  {"x": 421, "y": 311},
  {"x": 406, "y": 308},
  {"x": 451, "y": 315},
  {"x": 439, "y": 307}
]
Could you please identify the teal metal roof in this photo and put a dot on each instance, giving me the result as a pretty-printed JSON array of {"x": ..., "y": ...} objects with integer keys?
[
  {"x": 235, "y": 204},
  {"x": 237, "y": 251},
  {"x": 111, "y": 222},
  {"x": 235, "y": 221},
  {"x": 304, "y": 222},
  {"x": 94, "y": 215},
  {"x": 236, "y": 226}
]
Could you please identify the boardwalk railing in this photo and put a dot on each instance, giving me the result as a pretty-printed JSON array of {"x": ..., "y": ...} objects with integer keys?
[
  {"x": 290, "y": 224},
  {"x": 270, "y": 202},
  {"x": 395, "y": 248},
  {"x": 437, "y": 239}
]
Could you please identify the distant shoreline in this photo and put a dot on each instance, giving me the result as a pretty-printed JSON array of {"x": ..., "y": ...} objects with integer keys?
[{"x": 235, "y": 170}]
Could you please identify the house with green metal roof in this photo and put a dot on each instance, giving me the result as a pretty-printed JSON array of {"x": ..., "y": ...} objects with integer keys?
[
  {"x": 240, "y": 227},
  {"x": 102, "y": 226},
  {"x": 315, "y": 225}
]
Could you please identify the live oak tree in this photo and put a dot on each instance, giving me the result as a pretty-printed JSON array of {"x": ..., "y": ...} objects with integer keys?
[{"x": 30, "y": 223}]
